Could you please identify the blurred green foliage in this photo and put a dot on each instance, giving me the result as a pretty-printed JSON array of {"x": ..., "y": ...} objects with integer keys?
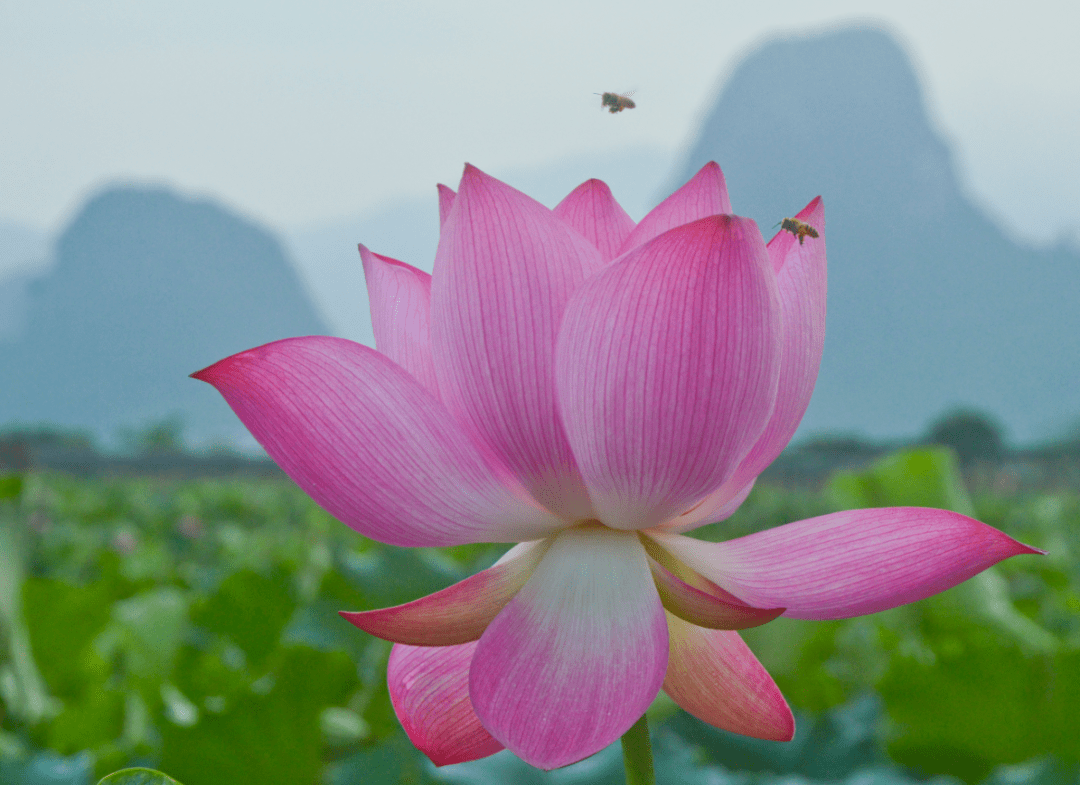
[
  {"x": 982, "y": 675},
  {"x": 192, "y": 626},
  {"x": 11, "y": 486}
]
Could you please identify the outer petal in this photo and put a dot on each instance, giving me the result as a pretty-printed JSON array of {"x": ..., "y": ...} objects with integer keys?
[
  {"x": 591, "y": 210},
  {"x": 504, "y": 271},
  {"x": 717, "y": 506},
  {"x": 800, "y": 275},
  {"x": 578, "y": 655},
  {"x": 849, "y": 563},
  {"x": 713, "y": 675},
  {"x": 373, "y": 447},
  {"x": 703, "y": 608},
  {"x": 429, "y": 689},
  {"x": 703, "y": 195},
  {"x": 446, "y": 201},
  {"x": 667, "y": 366},
  {"x": 400, "y": 297},
  {"x": 459, "y": 613}
]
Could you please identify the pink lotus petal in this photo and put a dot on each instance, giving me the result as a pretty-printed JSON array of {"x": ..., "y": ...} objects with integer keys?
[
  {"x": 459, "y": 613},
  {"x": 446, "y": 201},
  {"x": 718, "y": 506},
  {"x": 429, "y": 689},
  {"x": 800, "y": 275},
  {"x": 400, "y": 297},
  {"x": 504, "y": 271},
  {"x": 591, "y": 211},
  {"x": 666, "y": 367},
  {"x": 366, "y": 441},
  {"x": 578, "y": 655},
  {"x": 713, "y": 675},
  {"x": 705, "y": 194},
  {"x": 848, "y": 563},
  {"x": 703, "y": 608}
]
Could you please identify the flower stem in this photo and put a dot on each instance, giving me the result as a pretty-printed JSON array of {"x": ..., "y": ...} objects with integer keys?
[{"x": 637, "y": 754}]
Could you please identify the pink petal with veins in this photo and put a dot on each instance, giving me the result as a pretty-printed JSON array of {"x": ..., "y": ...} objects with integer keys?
[
  {"x": 429, "y": 689},
  {"x": 713, "y": 675},
  {"x": 400, "y": 297},
  {"x": 446, "y": 201},
  {"x": 374, "y": 448},
  {"x": 800, "y": 276},
  {"x": 591, "y": 211},
  {"x": 703, "y": 195},
  {"x": 717, "y": 506},
  {"x": 667, "y": 366},
  {"x": 504, "y": 271},
  {"x": 848, "y": 563},
  {"x": 578, "y": 655},
  {"x": 459, "y": 613},
  {"x": 703, "y": 608}
]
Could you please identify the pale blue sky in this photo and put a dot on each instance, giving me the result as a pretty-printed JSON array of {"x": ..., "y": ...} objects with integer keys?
[{"x": 298, "y": 113}]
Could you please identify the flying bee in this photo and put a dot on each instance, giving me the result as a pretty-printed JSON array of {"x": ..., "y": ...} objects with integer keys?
[
  {"x": 615, "y": 102},
  {"x": 798, "y": 228}
]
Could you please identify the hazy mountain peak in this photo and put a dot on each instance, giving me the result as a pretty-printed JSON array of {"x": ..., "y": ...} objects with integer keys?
[
  {"x": 147, "y": 287},
  {"x": 930, "y": 305},
  {"x": 828, "y": 114}
]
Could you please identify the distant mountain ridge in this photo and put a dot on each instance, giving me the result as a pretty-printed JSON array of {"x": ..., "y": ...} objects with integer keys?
[
  {"x": 147, "y": 287},
  {"x": 930, "y": 304},
  {"x": 23, "y": 252}
]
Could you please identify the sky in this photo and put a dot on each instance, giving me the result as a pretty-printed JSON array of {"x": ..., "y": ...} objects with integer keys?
[{"x": 298, "y": 114}]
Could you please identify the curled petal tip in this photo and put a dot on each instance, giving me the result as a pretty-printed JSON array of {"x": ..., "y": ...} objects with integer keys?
[
  {"x": 446, "y": 202},
  {"x": 211, "y": 373},
  {"x": 713, "y": 675},
  {"x": 429, "y": 690},
  {"x": 707, "y": 606},
  {"x": 787, "y": 731},
  {"x": 457, "y": 614},
  {"x": 814, "y": 213},
  {"x": 476, "y": 181},
  {"x": 366, "y": 253},
  {"x": 1009, "y": 546}
]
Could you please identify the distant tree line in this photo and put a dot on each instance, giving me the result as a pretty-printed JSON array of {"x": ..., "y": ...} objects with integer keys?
[
  {"x": 977, "y": 439},
  {"x": 159, "y": 447}
]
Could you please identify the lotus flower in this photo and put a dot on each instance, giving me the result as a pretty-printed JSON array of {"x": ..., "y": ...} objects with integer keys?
[{"x": 590, "y": 389}]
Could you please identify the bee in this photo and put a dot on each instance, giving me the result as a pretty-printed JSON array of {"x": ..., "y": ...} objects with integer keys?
[
  {"x": 798, "y": 228},
  {"x": 615, "y": 102}
]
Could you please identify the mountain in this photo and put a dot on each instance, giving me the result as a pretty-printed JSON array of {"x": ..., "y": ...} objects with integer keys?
[
  {"x": 408, "y": 229},
  {"x": 22, "y": 248},
  {"x": 23, "y": 253},
  {"x": 14, "y": 304},
  {"x": 931, "y": 306},
  {"x": 145, "y": 288}
]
